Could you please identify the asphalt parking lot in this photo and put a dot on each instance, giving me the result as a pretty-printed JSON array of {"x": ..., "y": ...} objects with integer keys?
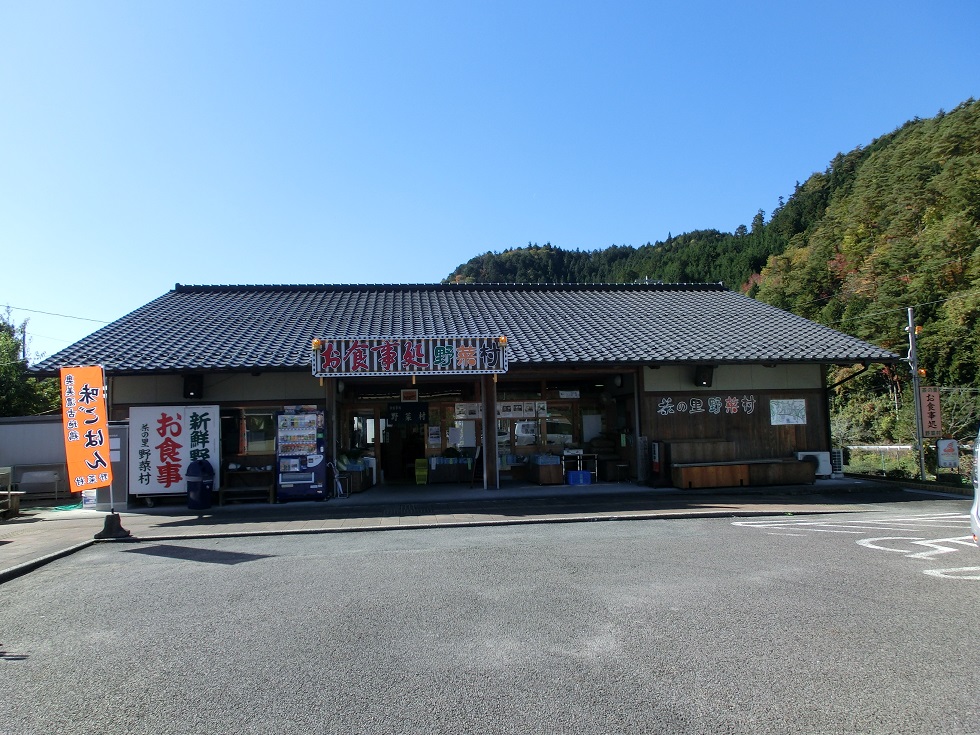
[
  {"x": 688, "y": 624},
  {"x": 39, "y": 535}
]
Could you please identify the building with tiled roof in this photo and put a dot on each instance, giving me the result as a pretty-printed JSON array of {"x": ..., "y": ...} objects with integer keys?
[{"x": 644, "y": 376}]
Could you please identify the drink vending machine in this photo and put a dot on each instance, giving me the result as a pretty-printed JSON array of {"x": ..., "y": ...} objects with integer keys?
[{"x": 300, "y": 459}]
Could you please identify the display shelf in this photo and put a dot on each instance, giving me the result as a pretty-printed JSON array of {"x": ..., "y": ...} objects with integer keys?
[{"x": 248, "y": 483}]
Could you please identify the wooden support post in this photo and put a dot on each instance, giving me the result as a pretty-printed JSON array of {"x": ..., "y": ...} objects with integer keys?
[{"x": 491, "y": 473}]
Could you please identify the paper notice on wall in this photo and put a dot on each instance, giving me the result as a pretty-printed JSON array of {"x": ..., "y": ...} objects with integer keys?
[{"x": 787, "y": 411}]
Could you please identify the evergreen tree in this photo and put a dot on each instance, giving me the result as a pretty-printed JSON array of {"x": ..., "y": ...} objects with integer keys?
[
  {"x": 20, "y": 393},
  {"x": 884, "y": 227}
]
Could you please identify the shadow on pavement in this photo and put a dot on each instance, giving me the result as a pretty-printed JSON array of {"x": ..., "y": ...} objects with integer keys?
[{"x": 187, "y": 553}]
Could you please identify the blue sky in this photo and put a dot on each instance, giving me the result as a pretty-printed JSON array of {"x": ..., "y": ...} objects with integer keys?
[{"x": 144, "y": 144}]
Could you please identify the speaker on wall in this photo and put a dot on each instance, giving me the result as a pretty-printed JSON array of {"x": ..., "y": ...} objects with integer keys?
[
  {"x": 194, "y": 386},
  {"x": 703, "y": 375}
]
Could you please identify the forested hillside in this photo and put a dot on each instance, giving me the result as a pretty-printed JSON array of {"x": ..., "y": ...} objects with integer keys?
[{"x": 892, "y": 225}]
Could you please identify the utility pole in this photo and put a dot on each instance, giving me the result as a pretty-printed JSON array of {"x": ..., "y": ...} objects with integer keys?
[{"x": 913, "y": 362}]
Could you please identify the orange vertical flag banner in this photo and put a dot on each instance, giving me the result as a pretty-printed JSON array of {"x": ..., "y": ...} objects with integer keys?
[{"x": 85, "y": 422}]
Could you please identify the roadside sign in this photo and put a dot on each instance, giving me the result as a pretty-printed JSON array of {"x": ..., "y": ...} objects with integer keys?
[
  {"x": 85, "y": 422},
  {"x": 947, "y": 453},
  {"x": 932, "y": 421}
]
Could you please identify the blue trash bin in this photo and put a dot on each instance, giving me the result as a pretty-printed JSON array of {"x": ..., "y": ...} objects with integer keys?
[{"x": 200, "y": 484}]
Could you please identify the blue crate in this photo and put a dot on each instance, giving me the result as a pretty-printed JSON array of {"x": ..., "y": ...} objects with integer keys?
[
  {"x": 579, "y": 477},
  {"x": 546, "y": 459}
]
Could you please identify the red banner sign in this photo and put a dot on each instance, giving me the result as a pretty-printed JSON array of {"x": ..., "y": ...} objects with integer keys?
[
  {"x": 349, "y": 356},
  {"x": 932, "y": 420}
]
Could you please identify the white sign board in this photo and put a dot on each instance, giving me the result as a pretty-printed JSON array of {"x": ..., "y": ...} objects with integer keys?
[
  {"x": 947, "y": 453},
  {"x": 164, "y": 440}
]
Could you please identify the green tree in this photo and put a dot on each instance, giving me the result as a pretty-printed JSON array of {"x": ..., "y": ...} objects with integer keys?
[
  {"x": 961, "y": 413},
  {"x": 20, "y": 393},
  {"x": 890, "y": 225}
]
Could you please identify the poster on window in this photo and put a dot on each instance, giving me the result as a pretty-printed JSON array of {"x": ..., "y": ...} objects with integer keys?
[
  {"x": 164, "y": 440},
  {"x": 469, "y": 410}
]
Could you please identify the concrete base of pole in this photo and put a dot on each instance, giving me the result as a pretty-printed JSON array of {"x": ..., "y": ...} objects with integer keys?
[{"x": 112, "y": 529}]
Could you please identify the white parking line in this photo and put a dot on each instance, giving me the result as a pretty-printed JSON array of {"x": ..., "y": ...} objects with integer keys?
[
  {"x": 938, "y": 546},
  {"x": 945, "y": 520},
  {"x": 919, "y": 546}
]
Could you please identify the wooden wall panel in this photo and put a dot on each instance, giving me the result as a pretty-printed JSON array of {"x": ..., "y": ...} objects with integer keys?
[{"x": 736, "y": 416}]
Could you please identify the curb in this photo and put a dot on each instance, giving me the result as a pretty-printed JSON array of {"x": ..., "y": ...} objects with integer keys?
[
  {"x": 29, "y": 566},
  {"x": 936, "y": 487},
  {"x": 930, "y": 488},
  {"x": 683, "y": 515},
  {"x": 22, "y": 569}
]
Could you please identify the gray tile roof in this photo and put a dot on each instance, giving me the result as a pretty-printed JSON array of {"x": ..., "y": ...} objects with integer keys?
[{"x": 204, "y": 328}]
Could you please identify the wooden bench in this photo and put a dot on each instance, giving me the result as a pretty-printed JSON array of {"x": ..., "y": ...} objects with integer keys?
[
  {"x": 692, "y": 475},
  {"x": 8, "y": 495},
  {"x": 743, "y": 473},
  {"x": 782, "y": 471},
  {"x": 11, "y": 501}
]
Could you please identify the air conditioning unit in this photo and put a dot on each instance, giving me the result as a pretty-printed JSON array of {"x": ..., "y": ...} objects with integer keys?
[
  {"x": 837, "y": 463},
  {"x": 822, "y": 460}
]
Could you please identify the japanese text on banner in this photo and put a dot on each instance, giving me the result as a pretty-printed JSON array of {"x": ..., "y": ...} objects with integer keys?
[
  {"x": 932, "y": 420},
  {"x": 338, "y": 356},
  {"x": 86, "y": 427},
  {"x": 165, "y": 440}
]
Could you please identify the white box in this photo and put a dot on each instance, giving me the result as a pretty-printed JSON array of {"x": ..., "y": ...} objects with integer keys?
[{"x": 824, "y": 468}]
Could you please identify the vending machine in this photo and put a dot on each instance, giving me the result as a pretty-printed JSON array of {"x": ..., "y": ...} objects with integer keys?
[{"x": 300, "y": 459}]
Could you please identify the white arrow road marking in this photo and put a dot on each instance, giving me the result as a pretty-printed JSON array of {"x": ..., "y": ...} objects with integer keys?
[
  {"x": 937, "y": 545},
  {"x": 873, "y": 543},
  {"x": 912, "y": 547},
  {"x": 959, "y": 573}
]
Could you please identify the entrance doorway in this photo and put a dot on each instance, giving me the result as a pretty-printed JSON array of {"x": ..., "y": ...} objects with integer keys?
[{"x": 402, "y": 445}]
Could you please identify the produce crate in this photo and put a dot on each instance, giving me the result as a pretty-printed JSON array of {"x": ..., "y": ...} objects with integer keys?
[{"x": 546, "y": 474}]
